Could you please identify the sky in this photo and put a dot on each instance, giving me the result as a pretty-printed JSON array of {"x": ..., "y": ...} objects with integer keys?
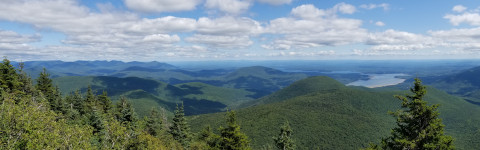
[{"x": 186, "y": 30}]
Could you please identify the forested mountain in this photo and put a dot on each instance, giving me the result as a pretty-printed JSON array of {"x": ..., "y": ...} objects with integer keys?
[
  {"x": 321, "y": 112},
  {"x": 198, "y": 98},
  {"x": 327, "y": 115},
  {"x": 465, "y": 84}
]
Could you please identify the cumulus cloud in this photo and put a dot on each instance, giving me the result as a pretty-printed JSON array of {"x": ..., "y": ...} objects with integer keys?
[
  {"x": 459, "y": 8},
  {"x": 275, "y": 2},
  {"x": 312, "y": 27},
  {"x": 399, "y": 40},
  {"x": 157, "y": 6},
  {"x": 228, "y": 6},
  {"x": 228, "y": 26},
  {"x": 467, "y": 17},
  {"x": 379, "y": 23},
  {"x": 307, "y": 11},
  {"x": 385, "y": 6},
  {"x": 345, "y": 8},
  {"x": 219, "y": 41}
]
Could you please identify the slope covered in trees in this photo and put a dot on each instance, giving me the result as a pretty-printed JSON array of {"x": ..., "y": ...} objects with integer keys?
[
  {"x": 38, "y": 117},
  {"x": 347, "y": 117},
  {"x": 198, "y": 97}
]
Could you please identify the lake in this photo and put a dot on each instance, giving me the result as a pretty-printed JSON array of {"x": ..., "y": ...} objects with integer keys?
[{"x": 379, "y": 80}]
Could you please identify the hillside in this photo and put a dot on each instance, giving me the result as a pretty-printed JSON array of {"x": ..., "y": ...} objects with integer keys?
[
  {"x": 338, "y": 116},
  {"x": 465, "y": 84},
  {"x": 198, "y": 98}
]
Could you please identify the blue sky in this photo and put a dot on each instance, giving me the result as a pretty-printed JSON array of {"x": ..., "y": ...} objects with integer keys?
[{"x": 171, "y": 30}]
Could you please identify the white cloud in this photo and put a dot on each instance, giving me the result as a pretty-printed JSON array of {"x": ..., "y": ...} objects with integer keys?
[
  {"x": 161, "y": 38},
  {"x": 345, "y": 8},
  {"x": 15, "y": 38},
  {"x": 275, "y": 2},
  {"x": 399, "y": 40},
  {"x": 228, "y": 26},
  {"x": 307, "y": 12},
  {"x": 219, "y": 41},
  {"x": 459, "y": 8},
  {"x": 228, "y": 6},
  {"x": 156, "y": 6},
  {"x": 161, "y": 25},
  {"x": 469, "y": 18},
  {"x": 379, "y": 23},
  {"x": 385, "y": 6},
  {"x": 315, "y": 27}
]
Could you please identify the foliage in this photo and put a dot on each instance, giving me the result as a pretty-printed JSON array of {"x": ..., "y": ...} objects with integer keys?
[
  {"x": 231, "y": 137},
  {"x": 179, "y": 129},
  {"x": 154, "y": 123},
  {"x": 418, "y": 125},
  {"x": 346, "y": 117},
  {"x": 284, "y": 140}
]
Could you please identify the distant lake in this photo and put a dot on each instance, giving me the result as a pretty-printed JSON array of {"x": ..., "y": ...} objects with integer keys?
[{"x": 379, "y": 80}]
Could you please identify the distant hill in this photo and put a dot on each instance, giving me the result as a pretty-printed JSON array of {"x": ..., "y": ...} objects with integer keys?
[
  {"x": 198, "y": 98},
  {"x": 465, "y": 84},
  {"x": 88, "y": 68},
  {"x": 324, "y": 114}
]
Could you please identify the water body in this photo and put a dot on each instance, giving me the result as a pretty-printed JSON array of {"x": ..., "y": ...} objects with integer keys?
[{"x": 379, "y": 80}]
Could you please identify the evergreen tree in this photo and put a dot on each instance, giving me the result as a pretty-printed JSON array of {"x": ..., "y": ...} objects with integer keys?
[
  {"x": 90, "y": 99},
  {"x": 284, "y": 140},
  {"x": 124, "y": 112},
  {"x": 96, "y": 121},
  {"x": 211, "y": 139},
  {"x": 154, "y": 123},
  {"x": 179, "y": 129},
  {"x": 418, "y": 125},
  {"x": 9, "y": 77},
  {"x": 45, "y": 86},
  {"x": 77, "y": 102},
  {"x": 231, "y": 137},
  {"x": 27, "y": 83},
  {"x": 105, "y": 102}
]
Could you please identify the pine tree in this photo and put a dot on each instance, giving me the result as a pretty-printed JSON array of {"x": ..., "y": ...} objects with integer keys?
[
  {"x": 154, "y": 123},
  {"x": 418, "y": 125},
  {"x": 90, "y": 99},
  {"x": 45, "y": 86},
  {"x": 9, "y": 77},
  {"x": 179, "y": 129},
  {"x": 124, "y": 112},
  {"x": 211, "y": 139},
  {"x": 284, "y": 140},
  {"x": 105, "y": 102},
  {"x": 27, "y": 83},
  {"x": 231, "y": 137}
]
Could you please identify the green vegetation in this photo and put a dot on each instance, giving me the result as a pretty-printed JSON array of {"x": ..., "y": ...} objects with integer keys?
[
  {"x": 464, "y": 84},
  {"x": 339, "y": 116},
  {"x": 323, "y": 113},
  {"x": 43, "y": 119},
  {"x": 418, "y": 125},
  {"x": 284, "y": 140}
]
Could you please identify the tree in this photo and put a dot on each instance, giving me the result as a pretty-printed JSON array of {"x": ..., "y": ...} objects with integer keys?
[
  {"x": 124, "y": 112},
  {"x": 27, "y": 83},
  {"x": 45, "y": 86},
  {"x": 179, "y": 129},
  {"x": 418, "y": 125},
  {"x": 9, "y": 77},
  {"x": 105, "y": 102},
  {"x": 154, "y": 123},
  {"x": 284, "y": 140},
  {"x": 211, "y": 139},
  {"x": 231, "y": 137},
  {"x": 90, "y": 99}
]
